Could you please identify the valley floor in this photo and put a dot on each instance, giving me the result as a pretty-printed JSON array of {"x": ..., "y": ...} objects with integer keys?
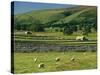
[{"x": 24, "y": 62}]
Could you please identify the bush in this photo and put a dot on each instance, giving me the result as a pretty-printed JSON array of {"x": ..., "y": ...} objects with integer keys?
[
  {"x": 38, "y": 28},
  {"x": 68, "y": 30}
]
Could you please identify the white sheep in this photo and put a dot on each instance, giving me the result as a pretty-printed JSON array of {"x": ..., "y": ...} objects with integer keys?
[
  {"x": 41, "y": 65},
  {"x": 72, "y": 59},
  {"x": 35, "y": 60},
  {"x": 57, "y": 59},
  {"x": 28, "y": 32},
  {"x": 81, "y": 38}
]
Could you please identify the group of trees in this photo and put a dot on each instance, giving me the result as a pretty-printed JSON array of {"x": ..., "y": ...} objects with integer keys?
[
  {"x": 68, "y": 28},
  {"x": 84, "y": 24},
  {"x": 30, "y": 24}
]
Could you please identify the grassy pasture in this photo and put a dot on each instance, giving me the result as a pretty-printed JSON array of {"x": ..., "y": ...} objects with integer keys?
[
  {"x": 24, "y": 62},
  {"x": 52, "y": 36}
]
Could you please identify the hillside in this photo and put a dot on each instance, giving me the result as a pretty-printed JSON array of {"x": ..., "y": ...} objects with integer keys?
[
  {"x": 57, "y": 16},
  {"x": 77, "y": 15}
]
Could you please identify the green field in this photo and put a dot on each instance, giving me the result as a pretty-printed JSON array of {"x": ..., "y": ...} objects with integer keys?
[
  {"x": 24, "y": 62},
  {"x": 59, "y": 29},
  {"x": 55, "y": 38},
  {"x": 52, "y": 36}
]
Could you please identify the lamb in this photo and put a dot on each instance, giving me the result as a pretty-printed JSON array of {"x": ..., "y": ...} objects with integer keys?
[
  {"x": 41, "y": 65},
  {"x": 57, "y": 59},
  {"x": 81, "y": 38},
  {"x": 72, "y": 59},
  {"x": 28, "y": 32},
  {"x": 35, "y": 60}
]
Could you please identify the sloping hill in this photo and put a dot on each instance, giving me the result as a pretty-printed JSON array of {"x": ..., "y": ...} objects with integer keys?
[
  {"x": 73, "y": 16},
  {"x": 43, "y": 15},
  {"x": 56, "y": 16},
  {"x": 49, "y": 14}
]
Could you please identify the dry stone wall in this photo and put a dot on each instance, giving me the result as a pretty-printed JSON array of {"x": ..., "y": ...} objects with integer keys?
[{"x": 31, "y": 47}]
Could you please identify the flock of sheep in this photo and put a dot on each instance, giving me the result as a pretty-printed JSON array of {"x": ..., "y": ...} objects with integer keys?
[{"x": 42, "y": 65}]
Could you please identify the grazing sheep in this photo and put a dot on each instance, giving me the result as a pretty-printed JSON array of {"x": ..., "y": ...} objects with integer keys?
[
  {"x": 28, "y": 32},
  {"x": 35, "y": 60},
  {"x": 81, "y": 38},
  {"x": 41, "y": 65},
  {"x": 72, "y": 59},
  {"x": 57, "y": 59}
]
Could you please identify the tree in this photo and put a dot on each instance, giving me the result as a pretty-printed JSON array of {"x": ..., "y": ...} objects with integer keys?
[
  {"x": 67, "y": 13},
  {"x": 68, "y": 30},
  {"x": 86, "y": 29},
  {"x": 38, "y": 28},
  {"x": 28, "y": 23},
  {"x": 73, "y": 25},
  {"x": 35, "y": 25}
]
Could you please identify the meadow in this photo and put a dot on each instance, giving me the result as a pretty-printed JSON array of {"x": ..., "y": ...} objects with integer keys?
[
  {"x": 36, "y": 32},
  {"x": 52, "y": 36},
  {"x": 24, "y": 62}
]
